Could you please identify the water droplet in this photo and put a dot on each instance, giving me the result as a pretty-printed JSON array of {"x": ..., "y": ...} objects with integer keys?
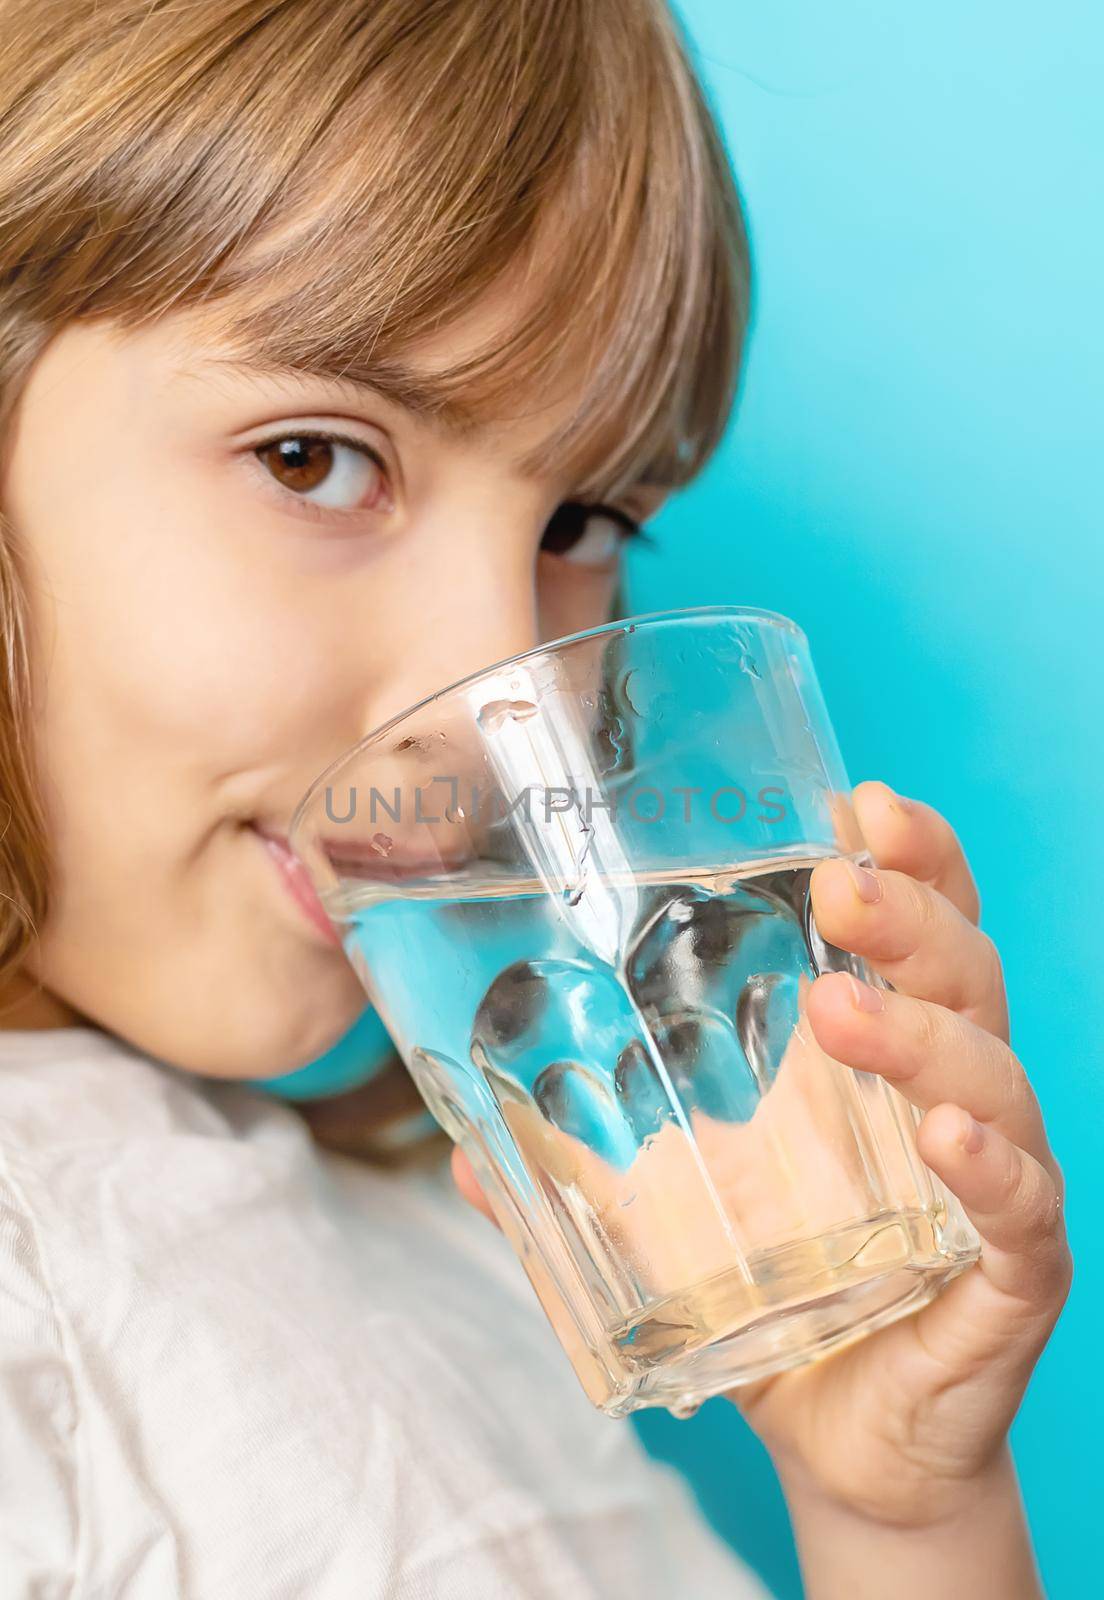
[
  {"x": 626, "y": 691},
  {"x": 382, "y": 843},
  {"x": 615, "y": 733},
  {"x": 610, "y": 735},
  {"x": 492, "y": 715},
  {"x": 575, "y": 892},
  {"x": 684, "y": 1408},
  {"x": 421, "y": 742}
]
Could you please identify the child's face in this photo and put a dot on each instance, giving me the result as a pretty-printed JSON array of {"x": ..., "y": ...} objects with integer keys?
[{"x": 210, "y": 628}]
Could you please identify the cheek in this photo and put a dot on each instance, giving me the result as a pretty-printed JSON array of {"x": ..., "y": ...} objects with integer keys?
[
  {"x": 572, "y": 599},
  {"x": 176, "y": 635}
]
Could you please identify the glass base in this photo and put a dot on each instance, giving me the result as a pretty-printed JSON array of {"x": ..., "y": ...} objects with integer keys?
[{"x": 733, "y": 1330}]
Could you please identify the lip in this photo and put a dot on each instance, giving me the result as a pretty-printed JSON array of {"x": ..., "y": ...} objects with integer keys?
[{"x": 297, "y": 882}]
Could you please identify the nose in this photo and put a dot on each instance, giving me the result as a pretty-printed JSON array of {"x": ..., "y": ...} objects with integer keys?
[
  {"x": 443, "y": 611},
  {"x": 454, "y": 616}
]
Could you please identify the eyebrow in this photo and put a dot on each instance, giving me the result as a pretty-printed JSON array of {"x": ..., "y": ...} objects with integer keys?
[{"x": 419, "y": 393}]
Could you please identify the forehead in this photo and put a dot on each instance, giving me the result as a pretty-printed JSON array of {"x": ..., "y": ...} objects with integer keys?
[
  {"x": 457, "y": 377},
  {"x": 421, "y": 379}
]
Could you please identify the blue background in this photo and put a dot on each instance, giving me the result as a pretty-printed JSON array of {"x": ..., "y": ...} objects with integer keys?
[{"x": 913, "y": 476}]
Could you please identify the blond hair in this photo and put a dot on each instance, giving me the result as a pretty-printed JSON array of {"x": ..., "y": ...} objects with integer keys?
[{"x": 332, "y": 179}]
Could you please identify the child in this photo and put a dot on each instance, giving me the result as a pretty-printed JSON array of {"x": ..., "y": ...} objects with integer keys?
[{"x": 343, "y": 345}]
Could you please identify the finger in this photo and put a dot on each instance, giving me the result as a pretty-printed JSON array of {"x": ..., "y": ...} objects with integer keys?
[
  {"x": 913, "y": 936},
  {"x": 468, "y": 1184},
  {"x": 1017, "y": 1207},
  {"x": 913, "y": 837},
  {"x": 929, "y": 1053}
]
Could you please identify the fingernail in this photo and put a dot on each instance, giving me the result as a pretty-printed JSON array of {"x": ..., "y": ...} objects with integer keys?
[
  {"x": 868, "y": 886},
  {"x": 900, "y": 802},
  {"x": 973, "y": 1138},
  {"x": 863, "y": 996}
]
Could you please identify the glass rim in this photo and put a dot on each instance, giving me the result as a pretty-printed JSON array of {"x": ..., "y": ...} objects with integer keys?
[{"x": 755, "y": 614}]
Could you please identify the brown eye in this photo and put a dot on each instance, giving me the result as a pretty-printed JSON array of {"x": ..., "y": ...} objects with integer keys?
[
  {"x": 298, "y": 464},
  {"x": 328, "y": 471},
  {"x": 587, "y": 535}
]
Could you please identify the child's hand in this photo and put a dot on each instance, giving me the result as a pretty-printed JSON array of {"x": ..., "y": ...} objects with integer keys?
[
  {"x": 897, "y": 1426},
  {"x": 903, "y": 1427}
]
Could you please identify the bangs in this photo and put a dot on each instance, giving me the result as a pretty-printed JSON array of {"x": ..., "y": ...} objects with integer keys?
[{"x": 336, "y": 182}]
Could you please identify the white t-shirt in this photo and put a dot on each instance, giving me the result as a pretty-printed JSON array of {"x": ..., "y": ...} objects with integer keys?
[{"x": 235, "y": 1367}]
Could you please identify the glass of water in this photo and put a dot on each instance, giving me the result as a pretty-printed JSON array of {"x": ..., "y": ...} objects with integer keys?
[{"x": 575, "y": 885}]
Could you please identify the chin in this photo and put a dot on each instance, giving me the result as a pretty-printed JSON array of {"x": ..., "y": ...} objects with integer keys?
[
  {"x": 257, "y": 1030},
  {"x": 284, "y": 1039}
]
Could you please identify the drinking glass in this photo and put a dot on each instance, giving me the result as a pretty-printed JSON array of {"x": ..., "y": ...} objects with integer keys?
[{"x": 575, "y": 886}]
